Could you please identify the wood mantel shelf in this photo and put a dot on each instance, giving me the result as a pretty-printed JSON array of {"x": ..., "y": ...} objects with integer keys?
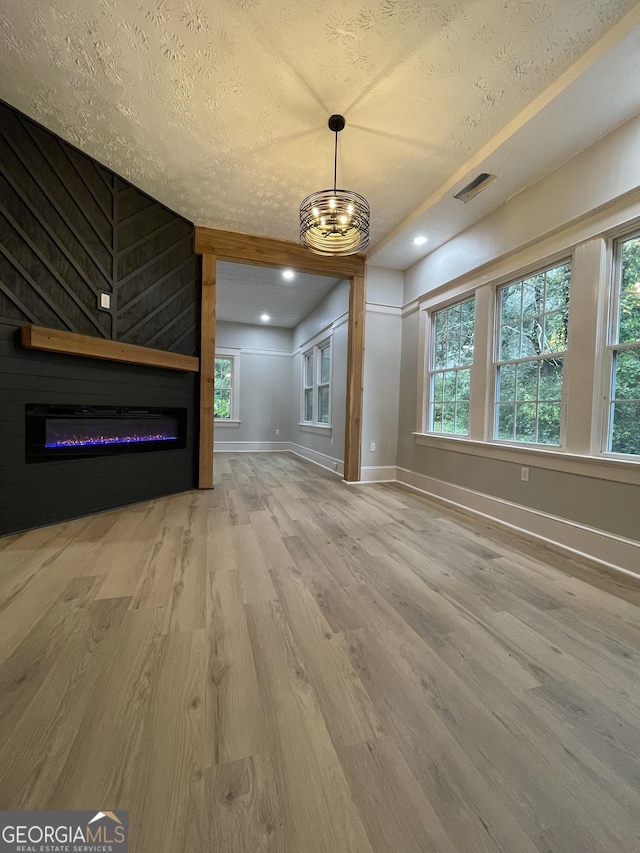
[{"x": 69, "y": 343}]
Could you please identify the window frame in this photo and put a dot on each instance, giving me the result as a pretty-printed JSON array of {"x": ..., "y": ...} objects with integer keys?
[
  {"x": 314, "y": 353},
  {"x": 431, "y": 370},
  {"x": 498, "y": 362},
  {"x": 232, "y": 355},
  {"x": 612, "y": 345}
]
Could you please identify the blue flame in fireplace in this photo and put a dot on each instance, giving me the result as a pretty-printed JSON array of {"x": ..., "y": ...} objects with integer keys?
[{"x": 86, "y": 441}]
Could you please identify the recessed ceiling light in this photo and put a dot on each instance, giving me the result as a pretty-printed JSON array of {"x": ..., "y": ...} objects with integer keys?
[
  {"x": 265, "y": 318},
  {"x": 420, "y": 241},
  {"x": 288, "y": 274}
]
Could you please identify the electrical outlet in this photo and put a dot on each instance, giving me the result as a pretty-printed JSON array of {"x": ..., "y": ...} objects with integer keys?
[
  {"x": 277, "y": 432},
  {"x": 524, "y": 474},
  {"x": 373, "y": 446},
  {"x": 104, "y": 301}
]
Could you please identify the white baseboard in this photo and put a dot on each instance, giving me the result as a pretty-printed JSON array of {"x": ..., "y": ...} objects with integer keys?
[
  {"x": 336, "y": 466},
  {"x": 251, "y": 446},
  {"x": 606, "y": 549},
  {"x": 378, "y": 474},
  {"x": 610, "y": 551}
]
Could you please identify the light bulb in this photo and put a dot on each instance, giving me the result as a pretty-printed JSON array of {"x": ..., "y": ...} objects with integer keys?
[
  {"x": 343, "y": 219},
  {"x": 265, "y": 317},
  {"x": 420, "y": 240},
  {"x": 288, "y": 274},
  {"x": 332, "y": 203}
]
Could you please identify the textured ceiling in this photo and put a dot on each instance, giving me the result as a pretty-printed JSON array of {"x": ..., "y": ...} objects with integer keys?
[
  {"x": 218, "y": 108},
  {"x": 245, "y": 292}
]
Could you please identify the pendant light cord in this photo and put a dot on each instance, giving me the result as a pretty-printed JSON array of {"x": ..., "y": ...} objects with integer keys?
[{"x": 335, "y": 163}]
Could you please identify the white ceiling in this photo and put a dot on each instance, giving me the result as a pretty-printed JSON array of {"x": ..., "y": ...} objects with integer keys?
[
  {"x": 245, "y": 292},
  {"x": 218, "y": 108}
]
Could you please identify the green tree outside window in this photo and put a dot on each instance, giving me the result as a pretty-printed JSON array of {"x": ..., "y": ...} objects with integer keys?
[
  {"x": 223, "y": 379},
  {"x": 624, "y": 430}
]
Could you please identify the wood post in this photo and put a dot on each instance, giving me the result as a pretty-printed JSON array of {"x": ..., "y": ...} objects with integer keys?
[
  {"x": 355, "y": 377},
  {"x": 207, "y": 370}
]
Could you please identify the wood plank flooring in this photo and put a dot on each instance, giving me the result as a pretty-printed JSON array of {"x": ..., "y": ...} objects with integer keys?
[{"x": 291, "y": 665}]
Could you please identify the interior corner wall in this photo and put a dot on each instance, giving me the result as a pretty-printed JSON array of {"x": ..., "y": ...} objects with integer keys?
[
  {"x": 598, "y": 189},
  {"x": 381, "y": 389},
  {"x": 329, "y": 317},
  {"x": 69, "y": 230}
]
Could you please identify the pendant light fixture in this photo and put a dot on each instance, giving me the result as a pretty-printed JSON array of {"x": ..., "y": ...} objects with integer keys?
[{"x": 335, "y": 222}]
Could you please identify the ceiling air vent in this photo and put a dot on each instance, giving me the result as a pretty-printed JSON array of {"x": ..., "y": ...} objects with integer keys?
[{"x": 476, "y": 186}]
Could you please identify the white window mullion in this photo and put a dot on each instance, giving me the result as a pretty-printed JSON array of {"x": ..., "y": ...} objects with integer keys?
[
  {"x": 583, "y": 374},
  {"x": 481, "y": 408}
]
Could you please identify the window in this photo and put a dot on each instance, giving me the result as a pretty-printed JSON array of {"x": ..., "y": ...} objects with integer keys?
[
  {"x": 226, "y": 386},
  {"x": 531, "y": 346},
  {"x": 222, "y": 388},
  {"x": 624, "y": 346},
  {"x": 450, "y": 376},
  {"x": 316, "y": 380}
]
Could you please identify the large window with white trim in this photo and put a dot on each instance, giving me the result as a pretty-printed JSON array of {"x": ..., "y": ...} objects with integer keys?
[
  {"x": 450, "y": 373},
  {"x": 316, "y": 385},
  {"x": 623, "y": 434},
  {"x": 531, "y": 346}
]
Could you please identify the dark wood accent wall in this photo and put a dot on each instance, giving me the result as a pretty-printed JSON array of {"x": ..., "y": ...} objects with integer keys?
[{"x": 69, "y": 230}]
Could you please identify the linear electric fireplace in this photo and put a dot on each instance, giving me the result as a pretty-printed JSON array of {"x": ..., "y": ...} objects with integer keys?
[{"x": 71, "y": 432}]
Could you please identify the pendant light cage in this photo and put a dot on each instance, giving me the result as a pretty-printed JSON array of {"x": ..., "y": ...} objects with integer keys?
[{"x": 335, "y": 221}]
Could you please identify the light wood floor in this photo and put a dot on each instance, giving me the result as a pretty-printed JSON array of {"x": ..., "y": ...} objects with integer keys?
[{"x": 291, "y": 664}]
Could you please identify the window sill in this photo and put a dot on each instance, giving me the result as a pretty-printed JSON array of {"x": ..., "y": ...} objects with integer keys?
[
  {"x": 319, "y": 429},
  {"x": 600, "y": 467},
  {"x": 226, "y": 422}
]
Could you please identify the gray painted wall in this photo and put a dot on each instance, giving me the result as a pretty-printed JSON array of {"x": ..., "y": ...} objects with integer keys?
[
  {"x": 265, "y": 382},
  {"x": 334, "y": 307},
  {"x": 518, "y": 227},
  {"x": 382, "y": 348},
  {"x": 598, "y": 503}
]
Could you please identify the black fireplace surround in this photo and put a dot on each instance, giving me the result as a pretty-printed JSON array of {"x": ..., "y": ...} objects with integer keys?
[{"x": 73, "y": 431}]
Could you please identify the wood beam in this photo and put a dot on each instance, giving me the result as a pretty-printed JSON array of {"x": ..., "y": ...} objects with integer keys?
[
  {"x": 207, "y": 370},
  {"x": 355, "y": 380},
  {"x": 70, "y": 343},
  {"x": 266, "y": 252}
]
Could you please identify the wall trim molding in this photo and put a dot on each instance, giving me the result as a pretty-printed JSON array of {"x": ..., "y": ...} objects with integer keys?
[
  {"x": 321, "y": 334},
  {"x": 329, "y": 463},
  {"x": 378, "y": 474},
  {"x": 251, "y": 446},
  {"x": 274, "y": 352},
  {"x": 387, "y": 310},
  {"x": 606, "y": 549}
]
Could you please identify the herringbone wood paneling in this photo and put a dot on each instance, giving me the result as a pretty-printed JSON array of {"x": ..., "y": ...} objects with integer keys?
[
  {"x": 157, "y": 274},
  {"x": 70, "y": 229}
]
